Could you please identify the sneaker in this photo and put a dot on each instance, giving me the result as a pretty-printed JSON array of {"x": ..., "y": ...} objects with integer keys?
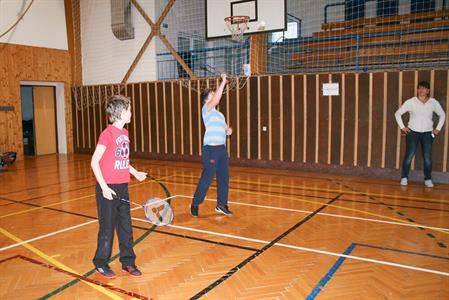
[
  {"x": 194, "y": 210},
  {"x": 106, "y": 272},
  {"x": 132, "y": 270},
  {"x": 404, "y": 181},
  {"x": 224, "y": 210},
  {"x": 428, "y": 183}
]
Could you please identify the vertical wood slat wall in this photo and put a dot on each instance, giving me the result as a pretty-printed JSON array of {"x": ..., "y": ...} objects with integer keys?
[{"x": 356, "y": 128}]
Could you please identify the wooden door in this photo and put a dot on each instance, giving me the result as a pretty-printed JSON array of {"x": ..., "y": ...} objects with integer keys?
[{"x": 44, "y": 119}]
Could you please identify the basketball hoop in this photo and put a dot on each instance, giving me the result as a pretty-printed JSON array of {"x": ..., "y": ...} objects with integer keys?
[{"x": 237, "y": 25}]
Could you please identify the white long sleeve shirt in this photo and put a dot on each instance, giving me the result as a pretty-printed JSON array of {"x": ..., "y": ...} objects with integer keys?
[{"x": 421, "y": 114}]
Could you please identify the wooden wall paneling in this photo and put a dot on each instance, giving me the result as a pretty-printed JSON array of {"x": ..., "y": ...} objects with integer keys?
[
  {"x": 259, "y": 119},
  {"x": 164, "y": 116},
  {"x": 108, "y": 90},
  {"x": 173, "y": 116},
  {"x": 378, "y": 123},
  {"x": 243, "y": 123},
  {"x": 350, "y": 117},
  {"x": 335, "y": 132},
  {"x": 91, "y": 117},
  {"x": 409, "y": 78},
  {"x": 76, "y": 118},
  {"x": 317, "y": 116},
  {"x": 399, "y": 140},
  {"x": 232, "y": 111},
  {"x": 141, "y": 128},
  {"x": 264, "y": 121},
  {"x": 440, "y": 94},
  {"x": 84, "y": 117},
  {"x": 384, "y": 119},
  {"x": 299, "y": 101},
  {"x": 237, "y": 114},
  {"x": 311, "y": 128},
  {"x": 322, "y": 146},
  {"x": 187, "y": 127},
  {"x": 223, "y": 107},
  {"x": 177, "y": 118},
  {"x": 196, "y": 137},
  {"x": 146, "y": 132},
  {"x": 329, "y": 130},
  {"x": 363, "y": 119},
  {"x": 160, "y": 117},
  {"x": 168, "y": 107},
  {"x": 248, "y": 119},
  {"x": 270, "y": 121},
  {"x": 152, "y": 111},
  {"x": 392, "y": 131},
  {"x": 275, "y": 113},
  {"x": 287, "y": 130},
  {"x": 137, "y": 117},
  {"x": 131, "y": 126},
  {"x": 253, "y": 117},
  {"x": 446, "y": 127},
  {"x": 342, "y": 118}
]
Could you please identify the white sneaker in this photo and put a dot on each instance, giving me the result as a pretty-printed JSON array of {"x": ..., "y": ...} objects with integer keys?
[
  {"x": 404, "y": 181},
  {"x": 428, "y": 183}
]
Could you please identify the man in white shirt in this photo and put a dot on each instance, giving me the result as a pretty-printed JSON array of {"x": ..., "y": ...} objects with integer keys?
[{"x": 420, "y": 130}]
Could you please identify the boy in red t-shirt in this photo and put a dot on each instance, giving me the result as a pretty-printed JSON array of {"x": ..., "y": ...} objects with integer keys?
[{"x": 110, "y": 164}]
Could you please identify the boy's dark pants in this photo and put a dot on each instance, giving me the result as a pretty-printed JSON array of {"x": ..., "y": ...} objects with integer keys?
[
  {"x": 114, "y": 214},
  {"x": 215, "y": 162}
]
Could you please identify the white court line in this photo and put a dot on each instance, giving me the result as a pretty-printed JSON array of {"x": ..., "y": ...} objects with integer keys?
[
  {"x": 324, "y": 214},
  {"x": 62, "y": 230},
  {"x": 376, "y": 261}
]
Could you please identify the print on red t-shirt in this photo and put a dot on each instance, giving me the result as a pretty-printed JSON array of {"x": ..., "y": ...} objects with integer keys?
[{"x": 114, "y": 164}]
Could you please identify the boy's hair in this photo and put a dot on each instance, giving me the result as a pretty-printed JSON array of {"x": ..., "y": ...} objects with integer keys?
[
  {"x": 204, "y": 94},
  {"x": 424, "y": 84},
  {"x": 115, "y": 105}
]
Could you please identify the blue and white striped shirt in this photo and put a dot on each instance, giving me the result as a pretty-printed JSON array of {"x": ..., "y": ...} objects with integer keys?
[{"x": 215, "y": 124}]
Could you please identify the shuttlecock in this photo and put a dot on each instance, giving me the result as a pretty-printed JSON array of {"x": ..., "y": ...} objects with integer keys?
[{"x": 261, "y": 25}]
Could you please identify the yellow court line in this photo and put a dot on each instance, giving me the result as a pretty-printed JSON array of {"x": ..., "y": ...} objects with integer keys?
[
  {"x": 329, "y": 205},
  {"x": 70, "y": 200},
  {"x": 330, "y": 190},
  {"x": 58, "y": 263}
]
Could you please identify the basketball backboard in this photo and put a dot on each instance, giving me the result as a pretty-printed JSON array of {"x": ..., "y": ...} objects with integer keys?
[{"x": 265, "y": 15}]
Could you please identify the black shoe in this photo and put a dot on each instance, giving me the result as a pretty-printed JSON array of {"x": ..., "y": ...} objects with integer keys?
[
  {"x": 224, "y": 210},
  {"x": 106, "y": 272},
  {"x": 132, "y": 270},
  {"x": 194, "y": 210}
]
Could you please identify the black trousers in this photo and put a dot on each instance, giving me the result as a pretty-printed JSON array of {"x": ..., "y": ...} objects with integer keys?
[{"x": 114, "y": 215}]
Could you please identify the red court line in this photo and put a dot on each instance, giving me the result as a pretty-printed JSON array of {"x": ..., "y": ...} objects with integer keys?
[{"x": 116, "y": 289}]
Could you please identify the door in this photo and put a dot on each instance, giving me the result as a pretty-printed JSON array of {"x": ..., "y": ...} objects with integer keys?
[{"x": 44, "y": 119}]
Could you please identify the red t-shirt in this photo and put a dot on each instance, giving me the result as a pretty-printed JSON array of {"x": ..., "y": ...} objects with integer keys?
[{"x": 114, "y": 163}]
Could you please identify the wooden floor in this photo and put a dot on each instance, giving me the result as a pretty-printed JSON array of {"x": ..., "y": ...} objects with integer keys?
[{"x": 293, "y": 235}]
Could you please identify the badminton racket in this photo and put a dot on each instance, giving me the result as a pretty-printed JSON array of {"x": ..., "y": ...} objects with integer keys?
[{"x": 157, "y": 211}]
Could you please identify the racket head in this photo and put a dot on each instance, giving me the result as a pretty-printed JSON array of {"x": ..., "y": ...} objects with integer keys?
[{"x": 158, "y": 211}]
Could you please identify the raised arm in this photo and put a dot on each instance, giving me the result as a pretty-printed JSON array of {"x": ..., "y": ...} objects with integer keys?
[{"x": 218, "y": 92}]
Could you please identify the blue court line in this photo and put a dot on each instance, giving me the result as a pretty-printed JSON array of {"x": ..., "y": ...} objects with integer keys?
[
  {"x": 341, "y": 260},
  {"x": 330, "y": 273}
]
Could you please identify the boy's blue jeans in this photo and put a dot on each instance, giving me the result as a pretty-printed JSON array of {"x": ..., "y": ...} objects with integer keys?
[
  {"x": 412, "y": 140},
  {"x": 215, "y": 162}
]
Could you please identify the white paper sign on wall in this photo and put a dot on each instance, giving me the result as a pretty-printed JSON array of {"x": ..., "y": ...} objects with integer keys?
[{"x": 331, "y": 89}]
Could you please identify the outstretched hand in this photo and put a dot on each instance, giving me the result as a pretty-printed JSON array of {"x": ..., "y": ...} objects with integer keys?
[{"x": 224, "y": 77}]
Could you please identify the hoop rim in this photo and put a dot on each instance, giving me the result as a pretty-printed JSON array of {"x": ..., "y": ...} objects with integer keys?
[{"x": 237, "y": 19}]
